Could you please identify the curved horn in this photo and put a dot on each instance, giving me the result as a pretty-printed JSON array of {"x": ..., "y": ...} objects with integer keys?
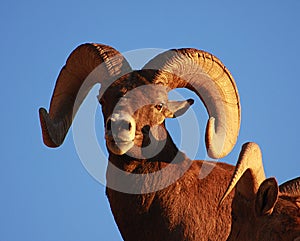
[
  {"x": 81, "y": 62},
  {"x": 291, "y": 187},
  {"x": 250, "y": 164},
  {"x": 204, "y": 74}
]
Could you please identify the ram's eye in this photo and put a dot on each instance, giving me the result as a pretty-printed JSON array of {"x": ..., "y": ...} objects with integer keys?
[{"x": 159, "y": 106}]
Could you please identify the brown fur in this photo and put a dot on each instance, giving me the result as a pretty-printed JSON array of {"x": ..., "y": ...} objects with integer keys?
[
  {"x": 185, "y": 210},
  {"x": 188, "y": 207},
  {"x": 283, "y": 223}
]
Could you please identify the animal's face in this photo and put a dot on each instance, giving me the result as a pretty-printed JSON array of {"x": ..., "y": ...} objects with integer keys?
[
  {"x": 133, "y": 114},
  {"x": 283, "y": 223},
  {"x": 196, "y": 70},
  {"x": 273, "y": 216}
]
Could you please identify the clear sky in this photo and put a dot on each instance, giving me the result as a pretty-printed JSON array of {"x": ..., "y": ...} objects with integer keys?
[{"x": 47, "y": 194}]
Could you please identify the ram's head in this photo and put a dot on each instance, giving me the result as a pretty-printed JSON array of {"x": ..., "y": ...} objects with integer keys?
[
  {"x": 137, "y": 118},
  {"x": 261, "y": 209},
  {"x": 135, "y": 103}
]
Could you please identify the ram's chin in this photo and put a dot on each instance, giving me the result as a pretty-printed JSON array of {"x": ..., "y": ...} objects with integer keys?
[{"x": 120, "y": 148}]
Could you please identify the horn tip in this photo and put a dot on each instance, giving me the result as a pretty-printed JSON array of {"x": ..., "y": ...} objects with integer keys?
[
  {"x": 190, "y": 101},
  {"x": 47, "y": 126}
]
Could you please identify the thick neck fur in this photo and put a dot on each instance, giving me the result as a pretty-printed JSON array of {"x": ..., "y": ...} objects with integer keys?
[
  {"x": 156, "y": 172},
  {"x": 166, "y": 155},
  {"x": 150, "y": 208}
]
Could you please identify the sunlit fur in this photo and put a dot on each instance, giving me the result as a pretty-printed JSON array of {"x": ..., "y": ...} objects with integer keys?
[
  {"x": 188, "y": 209},
  {"x": 281, "y": 222}
]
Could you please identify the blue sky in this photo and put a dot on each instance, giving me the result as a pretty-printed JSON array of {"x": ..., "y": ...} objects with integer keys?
[{"x": 47, "y": 194}]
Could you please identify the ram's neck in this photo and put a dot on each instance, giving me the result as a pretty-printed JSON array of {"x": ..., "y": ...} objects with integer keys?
[
  {"x": 155, "y": 195},
  {"x": 132, "y": 175},
  {"x": 152, "y": 154}
]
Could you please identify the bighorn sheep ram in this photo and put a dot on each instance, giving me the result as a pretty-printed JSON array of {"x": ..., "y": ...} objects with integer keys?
[{"x": 166, "y": 199}]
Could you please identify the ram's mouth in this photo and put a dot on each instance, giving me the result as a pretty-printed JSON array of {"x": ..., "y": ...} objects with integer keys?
[
  {"x": 118, "y": 146},
  {"x": 117, "y": 140}
]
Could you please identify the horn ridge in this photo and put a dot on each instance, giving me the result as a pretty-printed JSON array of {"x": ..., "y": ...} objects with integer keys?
[
  {"x": 88, "y": 64},
  {"x": 250, "y": 159},
  {"x": 291, "y": 187},
  {"x": 207, "y": 76}
]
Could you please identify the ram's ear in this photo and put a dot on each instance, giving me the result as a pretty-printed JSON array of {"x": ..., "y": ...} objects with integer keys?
[
  {"x": 177, "y": 108},
  {"x": 267, "y": 196}
]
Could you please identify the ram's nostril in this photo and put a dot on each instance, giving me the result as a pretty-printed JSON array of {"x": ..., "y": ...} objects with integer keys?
[
  {"x": 125, "y": 125},
  {"x": 116, "y": 125},
  {"x": 108, "y": 125}
]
